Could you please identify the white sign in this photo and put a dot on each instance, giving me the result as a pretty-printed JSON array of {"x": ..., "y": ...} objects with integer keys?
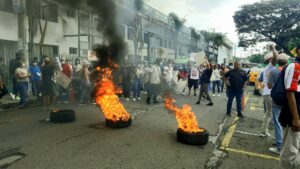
[
  {"x": 63, "y": 80},
  {"x": 199, "y": 58}
]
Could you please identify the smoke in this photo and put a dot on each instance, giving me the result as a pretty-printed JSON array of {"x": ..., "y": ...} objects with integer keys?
[{"x": 115, "y": 49}]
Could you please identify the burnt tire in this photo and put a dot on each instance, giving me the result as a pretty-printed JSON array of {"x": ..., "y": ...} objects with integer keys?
[
  {"x": 62, "y": 116},
  {"x": 118, "y": 124},
  {"x": 200, "y": 138}
]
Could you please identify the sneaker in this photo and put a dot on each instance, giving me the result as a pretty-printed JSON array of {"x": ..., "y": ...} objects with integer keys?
[
  {"x": 139, "y": 99},
  {"x": 198, "y": 102},
  {"x": 210, "y": 104},
  {"x": 66, "y": 102},
  {"x": 264, "y": 134},
  {"x": 81, "y": 104},
  {"x": 274, "y": 150},
  {"x": 12, "y": 96},
  {"x": 134, "y": 99},
  {"x": 195, "y": 94},
  {"x": 183, "y": 93},
  {"x": 240, "y": 115},
  {"x": 228, "y": 114},
  {"x": 218, "y": 95},
  {"x": 214, "y": 95},
  {"x": 127, "y": 99},
  {"x": 18, "y": 98}
]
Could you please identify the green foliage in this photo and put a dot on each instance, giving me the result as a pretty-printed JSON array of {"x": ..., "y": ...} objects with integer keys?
[
  {"x": 275, "y": 21},
  {"x": 177, "y": 21},
  {"x": 194, "y": 34},
  {"x": 294, "y": 42},
  {"x": 257, "y": 58},
  {"x": 218, "y": 39},
  {"x": 138, "y": 4}
]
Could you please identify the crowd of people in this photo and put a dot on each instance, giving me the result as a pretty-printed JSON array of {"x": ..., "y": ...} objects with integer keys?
[{"x": 157, "y": 80}]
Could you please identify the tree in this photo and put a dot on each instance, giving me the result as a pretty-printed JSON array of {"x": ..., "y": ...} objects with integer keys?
[
  {"x": 257, "y": 58},
  {"x": 218, "y": 39},
  {"x": 195, "y": 35},
  {"x": 178, "y": 24},
  {"x": 138, "y": 27},
  {"x": 275, "y": 21}
]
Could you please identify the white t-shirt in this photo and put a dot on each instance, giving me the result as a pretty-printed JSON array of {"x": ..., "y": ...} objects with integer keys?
[
  {"x": 266, "y": 76},
  {"x": 194, "y": 74},
  {"x": 155, "y": 74},
  {"x": 215, "y": 75},
  {"x": 22, "y": 72}
]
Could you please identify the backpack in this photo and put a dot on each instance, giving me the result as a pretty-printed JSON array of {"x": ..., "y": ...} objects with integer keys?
[{"x": 278, "y": 92}]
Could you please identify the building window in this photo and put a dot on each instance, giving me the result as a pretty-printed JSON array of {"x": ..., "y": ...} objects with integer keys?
[
  {"x": 6, "y": 5},
  {"x": 49, "y": 12},
  {"x": 130, "y": 33},
  {"x": 165, "y": 43},
  {"x": 73, "y": 51},
  {"x": 70, "y": 13}
]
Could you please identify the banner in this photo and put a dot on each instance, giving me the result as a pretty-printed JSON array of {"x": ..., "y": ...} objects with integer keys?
[{"x": 63, "y": 80}]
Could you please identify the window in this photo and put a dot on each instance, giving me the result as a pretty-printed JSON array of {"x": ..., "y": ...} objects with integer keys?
[
  {"x": 130, "y": 33},
  {"x": 70, "y": 13},
  {"x": 165, "y": 43},
  {"x": 49, "y": 12},
  {"x": 146, "y": 37},
  {"x": 73, "y": 51},
  {"x": 6, "y": 5}
]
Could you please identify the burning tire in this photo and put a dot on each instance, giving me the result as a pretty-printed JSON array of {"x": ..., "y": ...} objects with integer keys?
[
  {"x": 62, "y": 116},
  {"x": 200, "y": 138},
  {"x": 118, "y": 124}
]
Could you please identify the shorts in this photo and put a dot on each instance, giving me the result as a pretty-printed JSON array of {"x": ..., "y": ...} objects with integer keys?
[{"x": 193, "y": 83}]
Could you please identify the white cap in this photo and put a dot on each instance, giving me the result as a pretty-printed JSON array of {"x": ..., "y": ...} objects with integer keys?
[
  {"x": 85, "y": 62},
  {"x": 268, "y": 56},
  {"x": 283, "y": 56}
]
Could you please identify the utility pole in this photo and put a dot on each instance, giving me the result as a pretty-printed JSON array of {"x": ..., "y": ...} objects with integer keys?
[
  {"x": 20, "y": 9},
  {"x": 78, "y": 32}
]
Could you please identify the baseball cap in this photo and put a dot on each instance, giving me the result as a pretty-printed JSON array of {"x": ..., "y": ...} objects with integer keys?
[
  {"x": 283, "y": 56},
  {"x": 268, "y": 56}
]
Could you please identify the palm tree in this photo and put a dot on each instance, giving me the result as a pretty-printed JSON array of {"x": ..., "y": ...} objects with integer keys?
[
  {"x": 138, "y": 27},
  {"x": 218, "y": 39},
  {"x": 178, "y": 24},
  {"x": 196, "y": 37}
]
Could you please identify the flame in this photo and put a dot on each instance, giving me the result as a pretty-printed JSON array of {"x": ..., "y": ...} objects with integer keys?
[
  {"x": 185, "y": 117},
  {"x": 107, "y": 99}
]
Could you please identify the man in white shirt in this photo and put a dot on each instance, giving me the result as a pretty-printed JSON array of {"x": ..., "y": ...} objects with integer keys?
[
  {"x": 194, "y": 79},
  {"x": 271, "y": 60}
]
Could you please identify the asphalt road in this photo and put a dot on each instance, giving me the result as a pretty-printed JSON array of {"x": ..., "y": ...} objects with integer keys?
[{"x": 27, "y": 141}]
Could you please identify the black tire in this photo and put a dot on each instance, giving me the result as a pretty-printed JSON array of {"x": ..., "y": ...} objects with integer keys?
[
  {"x": 119, "y": 124},
  {"x": 200, "y": 138},
  {"x": 62, "y": 116}
]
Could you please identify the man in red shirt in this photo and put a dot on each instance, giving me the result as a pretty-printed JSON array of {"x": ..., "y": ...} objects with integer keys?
[{"x": 290, "y": 117}]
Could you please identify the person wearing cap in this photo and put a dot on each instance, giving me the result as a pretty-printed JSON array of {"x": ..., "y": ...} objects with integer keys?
[
  {"x": 290, "y": 116},
  {"x": 68, "y": 71},
  {"x": 271, "y": 60},
  {"x": 274, "y": 75}
]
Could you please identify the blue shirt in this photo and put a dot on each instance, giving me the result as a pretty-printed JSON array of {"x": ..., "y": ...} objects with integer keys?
[{"x": 35, "y": 72}]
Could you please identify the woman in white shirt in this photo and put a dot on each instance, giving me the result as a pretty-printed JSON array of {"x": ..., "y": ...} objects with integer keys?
[
  {"x": 22, "y": 76},
  {"x": 216, "y": 80}
]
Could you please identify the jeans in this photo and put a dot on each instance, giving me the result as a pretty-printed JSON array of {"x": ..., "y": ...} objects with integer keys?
[
  {"x": 218, "y": 84},
  {"x": 222, "y": 85},
  {"x": 277, "y": 126},
  {"x": 266, "y": 121},
  {"x": 238, "y": 94},
  {"x": 34, "y": 88},
  {"x": 127, "y": 87},
  {"x": 137, "y": 87},
  {"x": 15, "y": 85},
  {"x": 64, "y": 93},
  {"x": 22, "y": 88}
]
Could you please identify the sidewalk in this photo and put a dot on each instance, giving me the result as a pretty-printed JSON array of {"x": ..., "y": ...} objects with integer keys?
[{"x": 8, "y": 103}]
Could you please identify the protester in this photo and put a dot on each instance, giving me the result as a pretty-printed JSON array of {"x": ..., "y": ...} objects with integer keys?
[
  {"x": 154, "y": 82},
  {"x": 271, "y": 60},
  {"x": 49, "y": 88},
  {"x": 22, "y": 77},
  {"x": 168, "y": 73},
  {"x": 290, "y": 115},
  {"x": 193, "y": 80},
  {"x": 137, "y": 82},
  {"x": 127, "y": 81},
  {"x": 236, "y": 81},
  {"x": 205, "y": 82},
  {"x": 13, "y": 65},
  {"x": 85, "y": 83},
  {"x": 35, "y": 78},
  {"x": 216, "y": 80},
  {"x": 3, "y": 89},
  {"x": 67, "y": 70},
  {"x": 274, "y": 75}
]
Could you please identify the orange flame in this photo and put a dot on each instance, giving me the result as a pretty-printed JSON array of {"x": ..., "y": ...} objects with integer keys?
[
  {"x": 185, "y": 117},
  {"x": 107, "y": 99}
]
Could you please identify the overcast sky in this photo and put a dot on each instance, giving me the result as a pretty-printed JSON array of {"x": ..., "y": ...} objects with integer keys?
[{"x": 204, "y": 14}]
